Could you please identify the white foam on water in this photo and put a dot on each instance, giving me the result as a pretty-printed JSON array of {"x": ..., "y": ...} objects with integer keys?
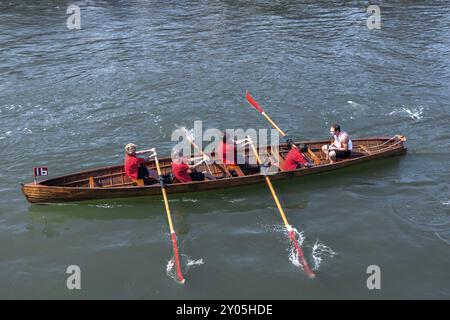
[
  {"x": 414, "y": 113},
  {"x": 293, "y": 255},
  {"x": 186, "y": 264},
  {"x": 447, "y": 241},
  {"x": 189, "y": 200},
  {"x": 107, "y": 206},
  {"x": 190, "y": 263},
  {"x": 352, "y": 103},
  {"x": 170, "y": 269},
  {"x": 320, "y": 252},
  {"x": 236, "y": 200}
]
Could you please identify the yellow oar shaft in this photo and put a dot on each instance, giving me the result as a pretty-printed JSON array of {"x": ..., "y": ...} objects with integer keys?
[
  {"x": 272, "y": 190},
  {"x": 311, "y": 154},
  {"x": 273, "y": 124},
  {"x": 275, "y": 198},
  {"x": 301, "y": 257},
  {"x": 166, "y": 202},
  {"x": 172, "y": 231},
  {"x": 202, "y": 153}
]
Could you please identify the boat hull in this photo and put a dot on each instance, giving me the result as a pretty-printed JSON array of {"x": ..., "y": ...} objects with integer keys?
[{"x": 42, "y": 193}]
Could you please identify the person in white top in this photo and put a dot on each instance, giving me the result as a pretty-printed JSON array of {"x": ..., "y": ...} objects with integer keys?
[{"x": 341, "y": 146}]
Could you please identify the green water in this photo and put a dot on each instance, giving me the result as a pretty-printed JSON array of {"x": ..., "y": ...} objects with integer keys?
[{"x": 71, "y": 99}]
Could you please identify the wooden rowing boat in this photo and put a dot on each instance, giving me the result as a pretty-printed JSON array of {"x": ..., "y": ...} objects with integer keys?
[{"x": 111, "y": 182}]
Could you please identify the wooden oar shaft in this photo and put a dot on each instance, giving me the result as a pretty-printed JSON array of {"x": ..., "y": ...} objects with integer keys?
[
  {"x": 277, "y": 202},
  {"x": 166, "y": 202},
  {"x": 311, "y": 154},
  {"x": 289, "y": 229},
  {"x": 202, "y": 153},
  {"x": 273, "y": 124},
  {"x": 172, "y": 230},
  {"x": 272, "y": 190},
  {"x": 252, "y": 101}
]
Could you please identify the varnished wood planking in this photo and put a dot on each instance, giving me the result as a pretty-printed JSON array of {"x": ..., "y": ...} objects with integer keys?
[{"x": 45, "y": 192}]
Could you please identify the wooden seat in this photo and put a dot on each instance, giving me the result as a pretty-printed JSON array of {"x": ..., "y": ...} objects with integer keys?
[
  {"x": 236, "y": 169},
  {"x": 138, "y": 182}
]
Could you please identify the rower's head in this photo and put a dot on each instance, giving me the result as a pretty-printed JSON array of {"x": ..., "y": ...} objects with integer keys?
[
  {"x": 302, "y": 148},
  {"x": 226, "y": 138},
  {"x": 335, "y": 129},
  {"x": 130, "y": 149},
  {"x": 290, "y": 143}
]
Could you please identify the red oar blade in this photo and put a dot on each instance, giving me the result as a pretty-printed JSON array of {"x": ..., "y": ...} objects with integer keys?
[
  {"x": 253, "y": 102},
  {"x": 177, "y": 259},
  {"x": 301, "y": 257}
]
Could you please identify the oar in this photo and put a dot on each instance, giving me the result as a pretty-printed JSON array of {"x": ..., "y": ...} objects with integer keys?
[
  {"x": 145, "y": 151},
  {"x": 289, "y": 229},
  {"x": 169, "y": 218},
  {"x": 258, "y": 107},
  {"x": 186, "y": 133},
  {"x": 201, "y": 152}
]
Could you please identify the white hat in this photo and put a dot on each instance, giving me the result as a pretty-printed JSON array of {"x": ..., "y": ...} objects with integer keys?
[{"x": 130, "y": 148}]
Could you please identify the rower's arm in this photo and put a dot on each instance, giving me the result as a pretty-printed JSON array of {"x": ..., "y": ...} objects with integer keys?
[
  {"x": 196, "y": 165},
  {"x": 344, "y": 147},
  {"x": 344, "y": 144}
]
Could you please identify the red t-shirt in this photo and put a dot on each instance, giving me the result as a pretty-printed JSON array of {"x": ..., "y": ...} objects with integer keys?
[
  {"x": 131, "y": 165},
  {"x": 294, "y": 158},
  {"x": 180, "y": 170},
  {"x": 226, "y": 153}
]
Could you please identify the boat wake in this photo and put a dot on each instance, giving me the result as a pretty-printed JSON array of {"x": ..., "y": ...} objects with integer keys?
[
  {"x": 186, "y": 264},
  {"x": 415, "y": 113},
  {"x": 108, "y": 206}
]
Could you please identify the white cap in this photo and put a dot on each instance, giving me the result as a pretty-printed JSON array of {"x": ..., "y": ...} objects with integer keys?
[{"x": 130, "y": 148}]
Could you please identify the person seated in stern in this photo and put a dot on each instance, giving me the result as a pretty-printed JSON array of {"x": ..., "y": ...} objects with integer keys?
[
  {"x": 134, "y": 166},
  {"x": 295, "y": 159},
  {"x": 341, "y": 146}
]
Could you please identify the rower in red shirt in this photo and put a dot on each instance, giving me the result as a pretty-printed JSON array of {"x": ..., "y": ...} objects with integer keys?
[
  {"x": 227, "y": 151},
  {"x": 185, "y": 172},
  {"x": 134, "y": 166},
  {"x": 295, "y": 158},
  {"x": 227, "y": 154}
]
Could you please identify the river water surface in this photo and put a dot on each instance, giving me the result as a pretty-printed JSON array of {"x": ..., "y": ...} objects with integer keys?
[{"x": 71, "y": 99}]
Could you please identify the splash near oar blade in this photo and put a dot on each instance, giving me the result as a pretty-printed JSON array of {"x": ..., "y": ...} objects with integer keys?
[
  {"x": 289, "y": 229},
  {"x": 300, "y": 255},
  {"x": 169, "y": 219}
]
